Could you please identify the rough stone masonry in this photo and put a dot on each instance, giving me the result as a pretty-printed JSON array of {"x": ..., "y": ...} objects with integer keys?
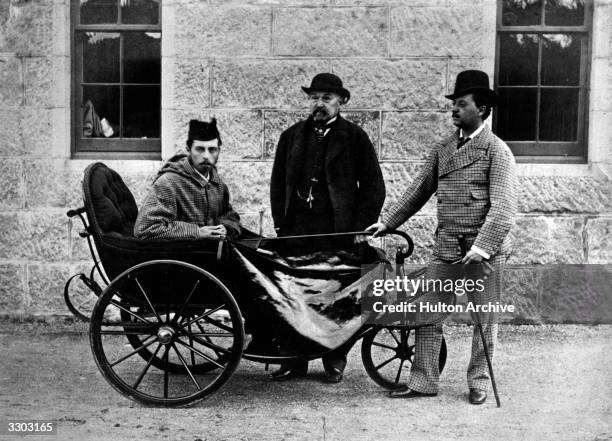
[{"x": 244, "y": 62}]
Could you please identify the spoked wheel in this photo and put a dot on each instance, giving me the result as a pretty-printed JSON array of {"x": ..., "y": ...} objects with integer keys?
[
  {"x": 197, "y": 364},
  {"x": 166, "y": 333},
  {"x": 387, "y": 355}
]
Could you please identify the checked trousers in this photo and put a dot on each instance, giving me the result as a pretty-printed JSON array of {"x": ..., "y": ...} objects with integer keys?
[{"x": 424, "y": 373}]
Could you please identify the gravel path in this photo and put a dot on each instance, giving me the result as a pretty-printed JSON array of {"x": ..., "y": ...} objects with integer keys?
[{"x": 554, "y": 383}]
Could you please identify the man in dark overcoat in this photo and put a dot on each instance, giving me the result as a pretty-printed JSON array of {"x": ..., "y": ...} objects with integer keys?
[
  {"x": 325, "y": 179},
  {"x": 473, "y": 174}
]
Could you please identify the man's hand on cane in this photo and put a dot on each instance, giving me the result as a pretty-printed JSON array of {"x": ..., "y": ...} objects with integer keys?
[{"x": 472, "y": 257}]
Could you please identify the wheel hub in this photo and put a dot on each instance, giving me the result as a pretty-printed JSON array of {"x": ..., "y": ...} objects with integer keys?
[
  {"x": 165, "y": 335},
  {"x": 405, "y": 353}
]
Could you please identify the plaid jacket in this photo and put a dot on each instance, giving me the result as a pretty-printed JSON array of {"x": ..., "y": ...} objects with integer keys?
[
  {"x": 477, "y": 194},
  {"x": 180, "y": 201}
]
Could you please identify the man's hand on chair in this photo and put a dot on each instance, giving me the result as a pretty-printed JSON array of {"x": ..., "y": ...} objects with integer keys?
[
  {"x": 378, "y": 228},
  {"x": 212, "y": 232}
]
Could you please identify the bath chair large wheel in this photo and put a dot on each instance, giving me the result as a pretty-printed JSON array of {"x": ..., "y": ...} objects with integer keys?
[{"x": 178, "y": 337}]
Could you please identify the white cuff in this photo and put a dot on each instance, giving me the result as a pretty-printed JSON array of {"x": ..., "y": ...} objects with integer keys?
[{"x": 480, "y": 251}]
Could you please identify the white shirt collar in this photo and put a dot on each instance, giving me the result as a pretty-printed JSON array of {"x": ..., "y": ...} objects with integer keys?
[{"x": 474, "y": 134}]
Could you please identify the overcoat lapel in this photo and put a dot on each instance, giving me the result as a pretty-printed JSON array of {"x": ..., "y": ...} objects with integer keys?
[
  {"x": 337, "y": 140},
  {"x": 295, "y": 160},
  {"x": 452, "y": 159}
]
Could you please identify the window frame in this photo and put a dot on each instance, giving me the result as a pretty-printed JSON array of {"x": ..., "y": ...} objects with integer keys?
[
  {"x": 104, "y": 148},
  {"x": 575, "y": 152}
]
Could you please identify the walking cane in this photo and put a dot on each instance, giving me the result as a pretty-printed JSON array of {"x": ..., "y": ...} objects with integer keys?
[
  {"x": 486, "y": 351},
  {"x": 463, "y": 246}
]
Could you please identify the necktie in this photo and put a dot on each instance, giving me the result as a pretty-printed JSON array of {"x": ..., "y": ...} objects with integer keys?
[
  {"x": 462, "y": 141},
  {"x": 320, "y": 132}
]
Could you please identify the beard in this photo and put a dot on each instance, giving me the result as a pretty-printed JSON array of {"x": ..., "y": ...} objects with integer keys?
[
  {"x": 205, "y": 168},
  {"x": 320, "y": 114},
  {"x": 202, "y": 167}
]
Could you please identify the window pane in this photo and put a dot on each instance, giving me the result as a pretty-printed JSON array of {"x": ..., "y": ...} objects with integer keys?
[
  {"x": 101, "y": 57},
  {"x": 516, "y": 115},
  {"x": 100, "y": 102},
  {"x": 564, "y": 13},
  {"x": 521, "y": 12},
  {"x": 142, "y": 57},
  {"x": 518, "y": 63},
  {"x": 559, "y": 114},
  {"x": 140, "y": 11},
  {"x": 141, "y": 115},
  {"x": 561, "y": 59},
  {"x": 98, "y": 11}
]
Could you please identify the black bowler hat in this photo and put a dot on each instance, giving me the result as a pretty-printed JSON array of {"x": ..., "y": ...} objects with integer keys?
[
  {"x": 327, "y": 82},
  {"x": 204, "y": 131},
  {"x": 470, "y": 81}
]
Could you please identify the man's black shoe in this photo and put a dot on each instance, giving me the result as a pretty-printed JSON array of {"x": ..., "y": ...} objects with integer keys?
[
  {"x": 409, "y": 393},
  {"x": 288, "y": 372},
  {"x": 334, "y": 375},
  {"x": 477, "y": 396}
]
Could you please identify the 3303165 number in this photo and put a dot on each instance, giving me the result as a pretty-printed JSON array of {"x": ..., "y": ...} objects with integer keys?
[{"x": 30, "y": 427}]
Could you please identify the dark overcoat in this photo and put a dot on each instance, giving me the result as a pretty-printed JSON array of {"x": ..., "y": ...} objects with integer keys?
[{"x": 354, "y": 180}]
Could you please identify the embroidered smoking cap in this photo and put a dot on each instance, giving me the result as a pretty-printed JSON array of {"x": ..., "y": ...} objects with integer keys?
[
  {"x": 470, "y": 81},
  {"x": 204, "y": 131},
  {"x": 327, "y": 82}
]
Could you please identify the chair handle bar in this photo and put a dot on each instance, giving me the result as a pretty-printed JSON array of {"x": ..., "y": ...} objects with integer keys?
[{"x": 75, "y": 212}]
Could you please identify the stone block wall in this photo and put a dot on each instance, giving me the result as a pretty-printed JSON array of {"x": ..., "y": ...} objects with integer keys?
[
  {"x": 398, "y": 59},
  {"x": 244, "y": 62}
]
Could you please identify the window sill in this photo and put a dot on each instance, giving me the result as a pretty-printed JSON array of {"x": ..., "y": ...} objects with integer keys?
[
  {"x": 153, "y": 156},
  {"x": 559, "y": 169}
]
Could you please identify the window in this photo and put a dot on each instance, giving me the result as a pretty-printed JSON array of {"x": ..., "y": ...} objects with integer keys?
[
  {"x": 116, "y": 78},
  {"x": 541, "y": 76}
]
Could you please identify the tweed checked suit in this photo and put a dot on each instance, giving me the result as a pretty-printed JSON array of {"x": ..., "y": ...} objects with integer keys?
[
  {"x": 476, "y": 188},
  {"x": 180, "y": 201}
]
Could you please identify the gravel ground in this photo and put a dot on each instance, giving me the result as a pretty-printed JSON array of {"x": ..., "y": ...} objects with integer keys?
[{"x": 554, "y": 383}]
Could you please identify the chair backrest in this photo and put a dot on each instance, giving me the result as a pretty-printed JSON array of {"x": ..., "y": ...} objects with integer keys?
[{"x": 110, "y": 206}]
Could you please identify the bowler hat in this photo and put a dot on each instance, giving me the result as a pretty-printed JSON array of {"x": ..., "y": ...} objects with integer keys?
[
  {"x": 470, "y": 81},
  {"x": 203, "y": 131},
  {"x": 327, "y": 82}
]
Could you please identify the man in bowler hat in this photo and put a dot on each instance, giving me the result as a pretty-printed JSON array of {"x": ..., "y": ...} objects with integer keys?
[
  {"x": 473, "y": 174},
  {"x": 188, "y": 199},
  {"x": 325, "y": 179}
]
